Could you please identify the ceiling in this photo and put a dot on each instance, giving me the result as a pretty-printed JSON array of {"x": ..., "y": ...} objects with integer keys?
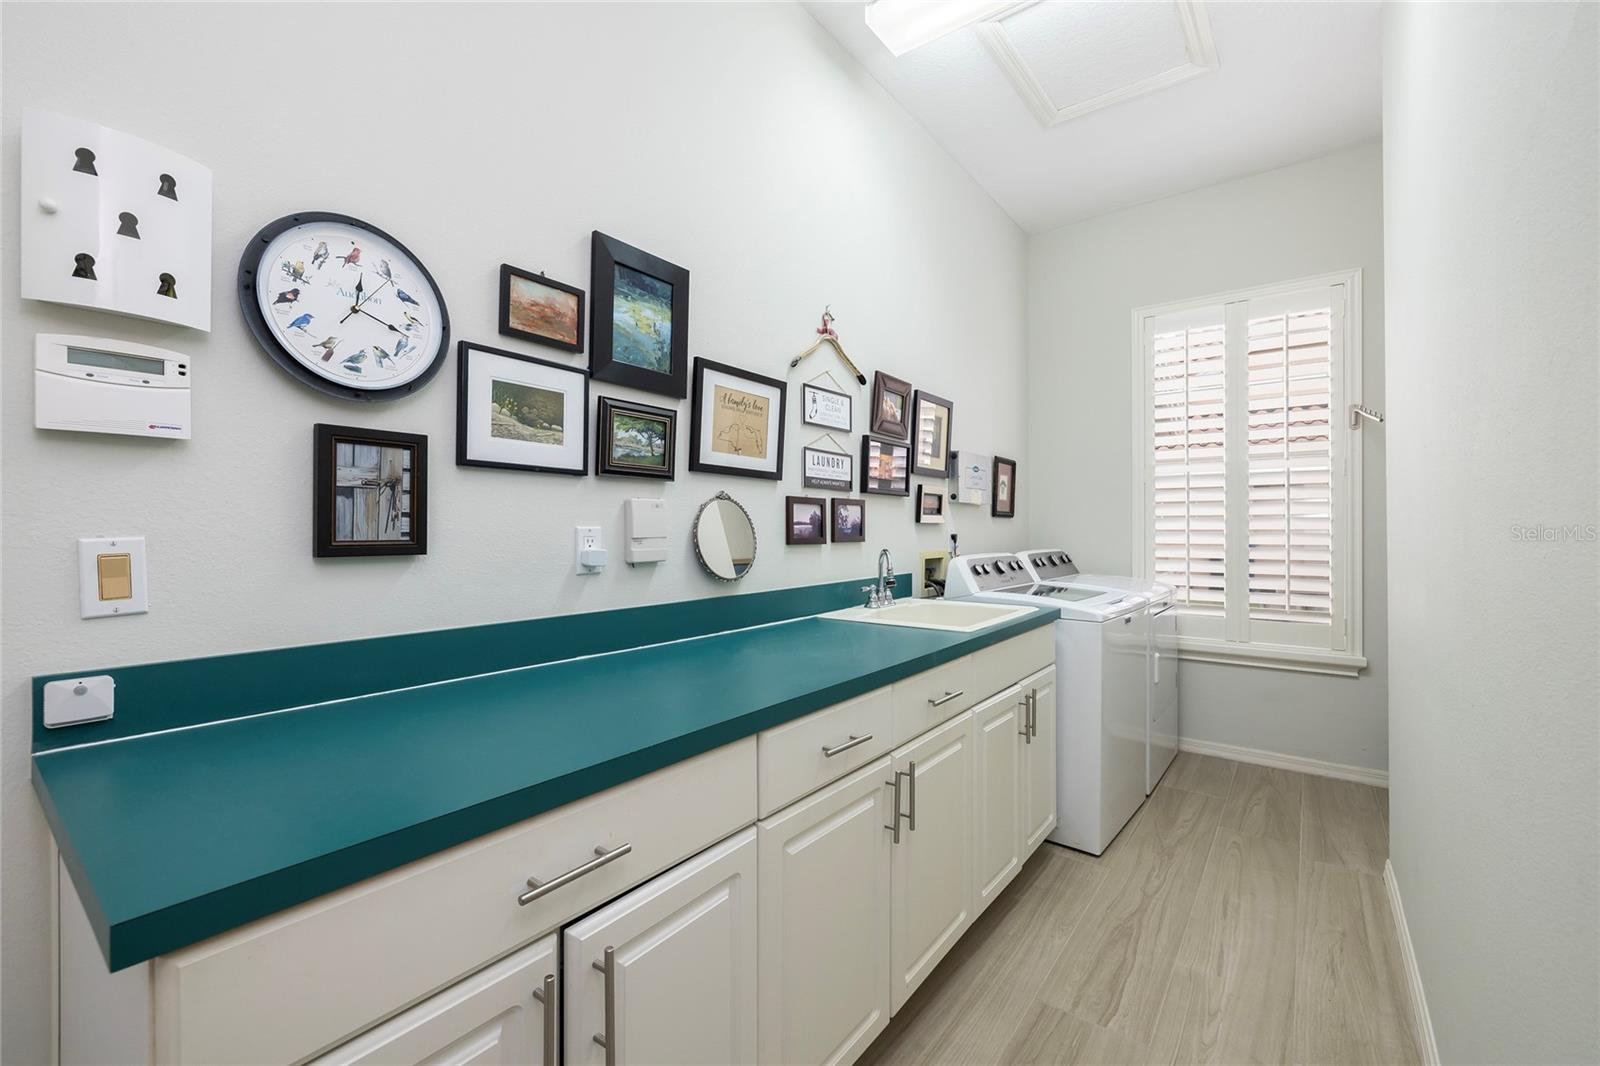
[{"x": 1070, "y": 108}]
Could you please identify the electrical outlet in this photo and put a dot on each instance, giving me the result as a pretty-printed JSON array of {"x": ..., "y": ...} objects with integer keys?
[{"x": 588, "y": 556}]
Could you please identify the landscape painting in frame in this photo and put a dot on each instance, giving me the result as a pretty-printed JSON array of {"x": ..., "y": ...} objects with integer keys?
[
  {"x": 526, "y": 413},
  {"x": 805, "y": 521},
  {"x": 849, "y": 520},
  {"x": 638, "y": 334},
  {"x": 370, "y": 492},
  {"x": 635, "y": 440},
  {"x": 536, "y": 308},
  {"x": 516, "y": 412},
  {"x": 641, "y": 321}
]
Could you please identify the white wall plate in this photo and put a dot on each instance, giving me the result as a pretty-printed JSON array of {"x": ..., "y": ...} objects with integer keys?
[{"x": 111, "y": 577}]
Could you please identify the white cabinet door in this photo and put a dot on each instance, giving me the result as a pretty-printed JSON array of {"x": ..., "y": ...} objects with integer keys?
[
  {"x": 1039, "y": 754},
  {"x": 1162, "y": 747},
  {"x": 931, "y": 873},
  {"x": 999, "y": 727},
  {"x": 824, "y": 947},
  {"x": 504, "y": 1015},
  {"x": 667, "y": 973}
]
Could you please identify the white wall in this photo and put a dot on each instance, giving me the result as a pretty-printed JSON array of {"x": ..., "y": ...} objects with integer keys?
[
  {"x": 1084, "y": 281},
  {"x": 737, "y": 140},
  {"x": 1491, "y": 239}
]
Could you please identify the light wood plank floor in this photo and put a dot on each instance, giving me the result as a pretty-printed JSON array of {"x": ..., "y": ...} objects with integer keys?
[{"x": 1239, "y": 918}]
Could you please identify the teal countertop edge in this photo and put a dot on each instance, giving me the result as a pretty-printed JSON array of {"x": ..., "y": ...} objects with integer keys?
[{"x": 177, "y": 836}]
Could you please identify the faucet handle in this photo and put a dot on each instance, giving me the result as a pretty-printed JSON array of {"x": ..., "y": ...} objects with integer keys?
[{"x": 872, "y": 594}]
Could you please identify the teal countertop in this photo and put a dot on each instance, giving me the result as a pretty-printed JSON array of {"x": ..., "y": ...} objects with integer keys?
[{"x": 176, "y": 836}]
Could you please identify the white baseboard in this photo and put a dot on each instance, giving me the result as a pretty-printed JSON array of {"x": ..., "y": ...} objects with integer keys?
[
  {"x": 1427, "y": 1049},
  {"x": 1298, "y": 763}
]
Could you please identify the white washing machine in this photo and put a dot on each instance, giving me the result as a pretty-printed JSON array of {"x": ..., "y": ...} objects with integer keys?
[
  {"x": 1055, "y": 566},
  {"x": 1101, "y": 645}
]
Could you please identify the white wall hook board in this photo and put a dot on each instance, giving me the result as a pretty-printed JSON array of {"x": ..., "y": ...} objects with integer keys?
[
  {"x": 1359, "y": 411},
  {"x": 113, "y": 222},
  {"x": 827, "y": 335}
]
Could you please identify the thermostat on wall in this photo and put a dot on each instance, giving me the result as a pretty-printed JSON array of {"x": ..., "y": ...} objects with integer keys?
[{"x": 96, "y": 385}]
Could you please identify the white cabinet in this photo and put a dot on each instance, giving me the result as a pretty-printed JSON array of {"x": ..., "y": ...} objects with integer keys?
[
  {"x": 504, "y": 1015},
  {"x": 999, "y": 737},
  {"x": 824, "y": 945},
  {"x": 1039, "y": 760},
  {"x": 931, "y": 867},
  {"x": 667, "y": 973}
]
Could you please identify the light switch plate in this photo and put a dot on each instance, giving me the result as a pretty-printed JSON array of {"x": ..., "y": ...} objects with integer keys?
[
  {"x": 111, "y": 577},
  {"x": 79, "y": 699}
]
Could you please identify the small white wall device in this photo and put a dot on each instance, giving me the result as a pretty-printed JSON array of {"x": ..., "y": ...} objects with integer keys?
[
  {"x": 647, "y": 531},
  {"x": 96, "y": 385},
  {"x": 81, "y": 699}
]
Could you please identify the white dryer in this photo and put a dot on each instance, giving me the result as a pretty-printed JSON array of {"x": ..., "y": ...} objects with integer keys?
[
  {"x": 1055, "y": 566},
  {"x": 1101, "y": 697}
]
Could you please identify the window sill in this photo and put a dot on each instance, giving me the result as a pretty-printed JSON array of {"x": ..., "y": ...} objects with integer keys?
[{"x": 1271, "y": 656}]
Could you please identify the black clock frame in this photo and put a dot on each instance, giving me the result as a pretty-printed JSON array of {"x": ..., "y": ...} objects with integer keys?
[{"x": 250, "y": 262}]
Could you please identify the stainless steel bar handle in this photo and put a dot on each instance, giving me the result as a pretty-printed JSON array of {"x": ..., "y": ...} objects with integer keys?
[
  {"x": 538, "y": 888},
  {"x": 895, "y": 815},
  {"x": 940, "y": 701},
  {"x": 1026, "y": 732},
  {"x": 854, "y": 741},
  {"x": 547, "y": 997},
  {"x": 1033, "y": 712},
  {"x": 911, "y": 819},
  {"x": 608, "y": 1038}
]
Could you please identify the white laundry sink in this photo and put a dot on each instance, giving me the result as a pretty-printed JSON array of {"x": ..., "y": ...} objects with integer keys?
[{"x": 946, "y": 615}]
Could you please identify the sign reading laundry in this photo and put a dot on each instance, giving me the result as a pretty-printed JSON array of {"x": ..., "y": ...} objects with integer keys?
[{"x": 828, "y": 470}]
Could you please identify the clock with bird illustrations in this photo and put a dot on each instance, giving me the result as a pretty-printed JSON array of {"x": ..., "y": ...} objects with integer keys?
[{"x": 343, "y": 306}]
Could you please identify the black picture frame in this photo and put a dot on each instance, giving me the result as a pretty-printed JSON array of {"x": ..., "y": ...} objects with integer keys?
[
  {"x": 697, "y": 417},
  {"x": 608, "y": 253},
  {"x": 463, "y": 382},
  {"x": 1010, "y": 510},
  {"x": 792, "y": 534},
  {"x": 605, "y": 463},
  {"x": 324, "y": 481},
  {"x": 882, "y": 423},
  {"x": 507, "y": 272},
  {"x": 941, "y": 469},
  {"x": 939, "y": 514},
  {"x": 807, "y": 388},
  {"x": 866, "y": 467},
  {"x": 840, "y": 537},
  {"x": 829, "y": 484}
]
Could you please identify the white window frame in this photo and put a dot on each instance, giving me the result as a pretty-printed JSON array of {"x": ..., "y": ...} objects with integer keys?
[{"x": 1202, "y": 639}]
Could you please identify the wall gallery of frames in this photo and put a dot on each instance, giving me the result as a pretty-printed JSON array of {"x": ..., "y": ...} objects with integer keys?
[{"x": 347, "y": 309}]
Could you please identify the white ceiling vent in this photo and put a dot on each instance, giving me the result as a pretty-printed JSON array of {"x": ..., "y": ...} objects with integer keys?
[{"x": 1068, "y": 59}]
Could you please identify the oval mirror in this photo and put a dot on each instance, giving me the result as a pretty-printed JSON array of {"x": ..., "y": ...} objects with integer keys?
[{"x": 724, "y": 538}]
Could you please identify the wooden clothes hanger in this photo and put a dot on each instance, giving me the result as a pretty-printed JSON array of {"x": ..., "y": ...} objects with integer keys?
[{"x": 827, "y": 335}]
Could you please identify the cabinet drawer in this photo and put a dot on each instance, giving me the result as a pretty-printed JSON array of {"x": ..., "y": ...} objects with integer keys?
[
  {"x": 933, "y": 696},
  {"x": 292, "y": 984},
  {"x": 1003, "y": 665},
  {"x": 792, "y": 757}
]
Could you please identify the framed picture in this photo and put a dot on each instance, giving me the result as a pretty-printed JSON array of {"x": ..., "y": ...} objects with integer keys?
[
  {"x": 540, "y": 310},
  {"x": 736, "y": 426},
  {"x": 885, "y": 467},
  {"x": 932, "y": 422},
  {"x": 849, "y": 520},
  {"x": 803, "y": 521},
  {"x": 969, "y": 477},
  {"x": 891, "y": 406},
  {"x": 516, "y": 412},
  {"x": 371, "y": 492},
  {"x": 828, "y": 469},
  {"x": 930, "y": 505},
  {"x": 639, "y": 329},
  {"x": 826, "y": 408},
  {"x": 1003, "y": 504},
  {"x": 634, "y": 440}
]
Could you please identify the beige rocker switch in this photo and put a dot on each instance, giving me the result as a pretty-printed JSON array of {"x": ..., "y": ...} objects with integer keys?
[{"x": 111, "y": 577}]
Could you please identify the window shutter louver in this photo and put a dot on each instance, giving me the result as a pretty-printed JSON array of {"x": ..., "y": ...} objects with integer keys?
[{"x": 1188, "y": 412}]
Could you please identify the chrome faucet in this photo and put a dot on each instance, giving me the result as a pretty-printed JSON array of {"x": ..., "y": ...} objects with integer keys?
[{"x": 882, "y": 593}]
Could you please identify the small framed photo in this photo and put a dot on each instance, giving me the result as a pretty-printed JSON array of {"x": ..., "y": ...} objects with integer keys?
[
  {"x": 516, "y": 412},
  {"x": 930, "y": 505},
  {"x": 371, "y": 492},
  {"x": 849, "y": 520},
  {"x": 969, "y": 477},
  {"x": 635, "y": 440},
  {"x": 803, "y": 521},
  {"x": 826, "y": 408},
  {"x": 891, "y": 406},
  {"x": 932, "y": 422},
  {"x": 1003, "y": 478},
  {"x": 885, "y": 467},
  {"x": 537, "y": 309},
  {"x": 639, "y": 329},
  {"x": 828, "y": 469},
  {"x": 736, "y": 424}
]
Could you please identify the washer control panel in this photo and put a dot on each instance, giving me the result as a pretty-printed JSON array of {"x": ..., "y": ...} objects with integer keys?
[
  {"x": 1050, "y": 564},
  {"x": 971, "y": 574}
]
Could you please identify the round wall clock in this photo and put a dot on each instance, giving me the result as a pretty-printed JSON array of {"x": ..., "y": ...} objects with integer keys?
[{"x": 343, "y": 306}]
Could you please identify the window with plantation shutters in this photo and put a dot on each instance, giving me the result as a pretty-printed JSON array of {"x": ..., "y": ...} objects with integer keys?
[{"x": 1248, "y": 480}]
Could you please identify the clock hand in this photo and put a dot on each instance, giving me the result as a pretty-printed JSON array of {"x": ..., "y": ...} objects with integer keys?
[
  {"x": 357, "y": 305},
  {"x": 381, "y": 322}
]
